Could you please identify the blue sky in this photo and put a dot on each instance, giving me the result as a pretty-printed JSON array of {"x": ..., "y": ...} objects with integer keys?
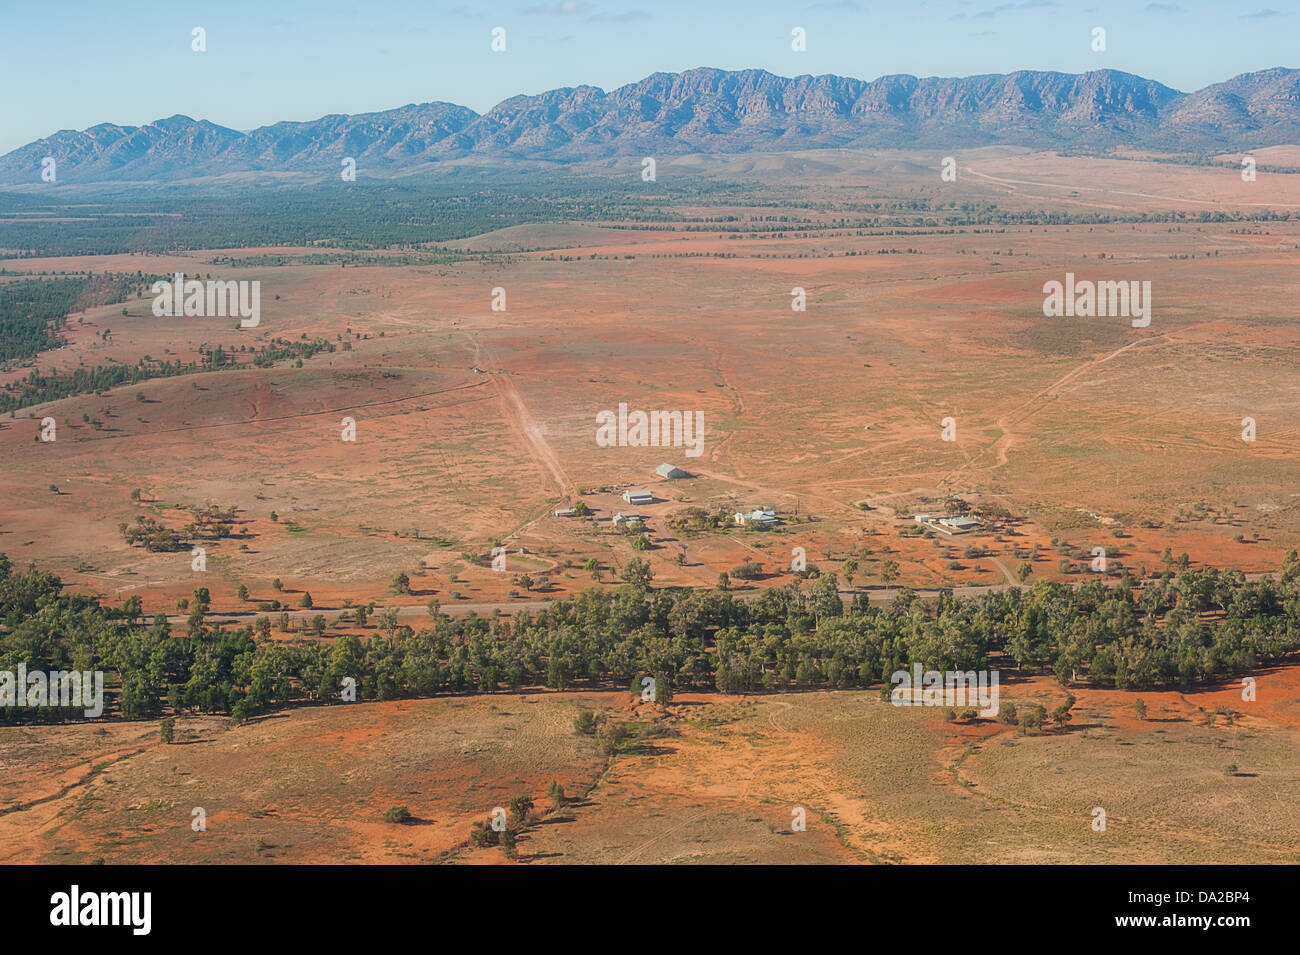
[{"x": 82, "y": 62}]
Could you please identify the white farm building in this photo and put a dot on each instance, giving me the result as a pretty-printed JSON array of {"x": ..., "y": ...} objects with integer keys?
[{"x": 761, "y": 517}]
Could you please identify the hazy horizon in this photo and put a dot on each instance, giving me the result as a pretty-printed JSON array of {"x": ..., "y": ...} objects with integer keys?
[
  {"x": 385, "y": 109},
  {"x": 303, "y": 61}
]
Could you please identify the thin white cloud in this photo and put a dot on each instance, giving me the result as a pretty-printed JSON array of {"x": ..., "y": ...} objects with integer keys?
[
  {"x": 629, "y": 16},
  {"x": 1007, "y": 7},
  {"x": 563, "y": 8}
]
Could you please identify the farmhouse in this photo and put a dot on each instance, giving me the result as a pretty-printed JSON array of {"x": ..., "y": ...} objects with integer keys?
[
  {"x": 621, "y": 519},
  {"x": 566, "y": 512},
  {"x": 763, "y": 518},
  {"x": 672, "y": 473},
  {"x": 953, "y": 524},
  {"x": 638, "y": 497}
]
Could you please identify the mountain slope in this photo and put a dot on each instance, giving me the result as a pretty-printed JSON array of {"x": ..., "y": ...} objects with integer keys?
[{"x": 703, "y": 110}]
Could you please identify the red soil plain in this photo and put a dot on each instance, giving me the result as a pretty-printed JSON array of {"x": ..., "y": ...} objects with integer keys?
[
  {"x": 474, "y": 425},
  {"x": 877, "y": 784}
]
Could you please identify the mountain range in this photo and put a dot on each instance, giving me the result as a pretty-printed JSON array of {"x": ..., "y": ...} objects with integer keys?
[{"x": 703, "y": 110}]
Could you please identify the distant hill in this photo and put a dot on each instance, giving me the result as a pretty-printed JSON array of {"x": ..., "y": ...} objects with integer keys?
[{"x": 704, "y": 110}]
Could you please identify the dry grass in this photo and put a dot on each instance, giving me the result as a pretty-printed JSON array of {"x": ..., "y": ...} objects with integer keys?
[{"x": 877, "y": 783}]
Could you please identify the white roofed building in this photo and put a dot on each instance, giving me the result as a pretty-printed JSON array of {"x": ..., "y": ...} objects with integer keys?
[{"x": 763, "y": 517}]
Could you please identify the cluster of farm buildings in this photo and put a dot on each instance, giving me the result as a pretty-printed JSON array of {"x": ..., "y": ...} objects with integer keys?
[
  {"x": 762, "y": 517},
  {"x": 953, "y": 524}
]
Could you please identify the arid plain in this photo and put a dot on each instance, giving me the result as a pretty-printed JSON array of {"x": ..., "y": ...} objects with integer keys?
[
  {"x": 721, "y": 784},
  {"x": 474, "y": 425}
]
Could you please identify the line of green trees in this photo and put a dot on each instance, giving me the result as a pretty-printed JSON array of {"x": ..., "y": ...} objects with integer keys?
[
  {"x": 34, "y": 311},
  {"x": 39, "y": 387},
  {"x": 1183, "y": 629},
  {"x": 408, "y": 214},
  {"x": 361, "y": 215}
]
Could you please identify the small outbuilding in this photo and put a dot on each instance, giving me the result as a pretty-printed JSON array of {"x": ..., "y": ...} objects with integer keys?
[
  {"x": 763, "y": 518},
  {"x": 950, "y": 525},
  {"x": 670, "y": 472}
]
